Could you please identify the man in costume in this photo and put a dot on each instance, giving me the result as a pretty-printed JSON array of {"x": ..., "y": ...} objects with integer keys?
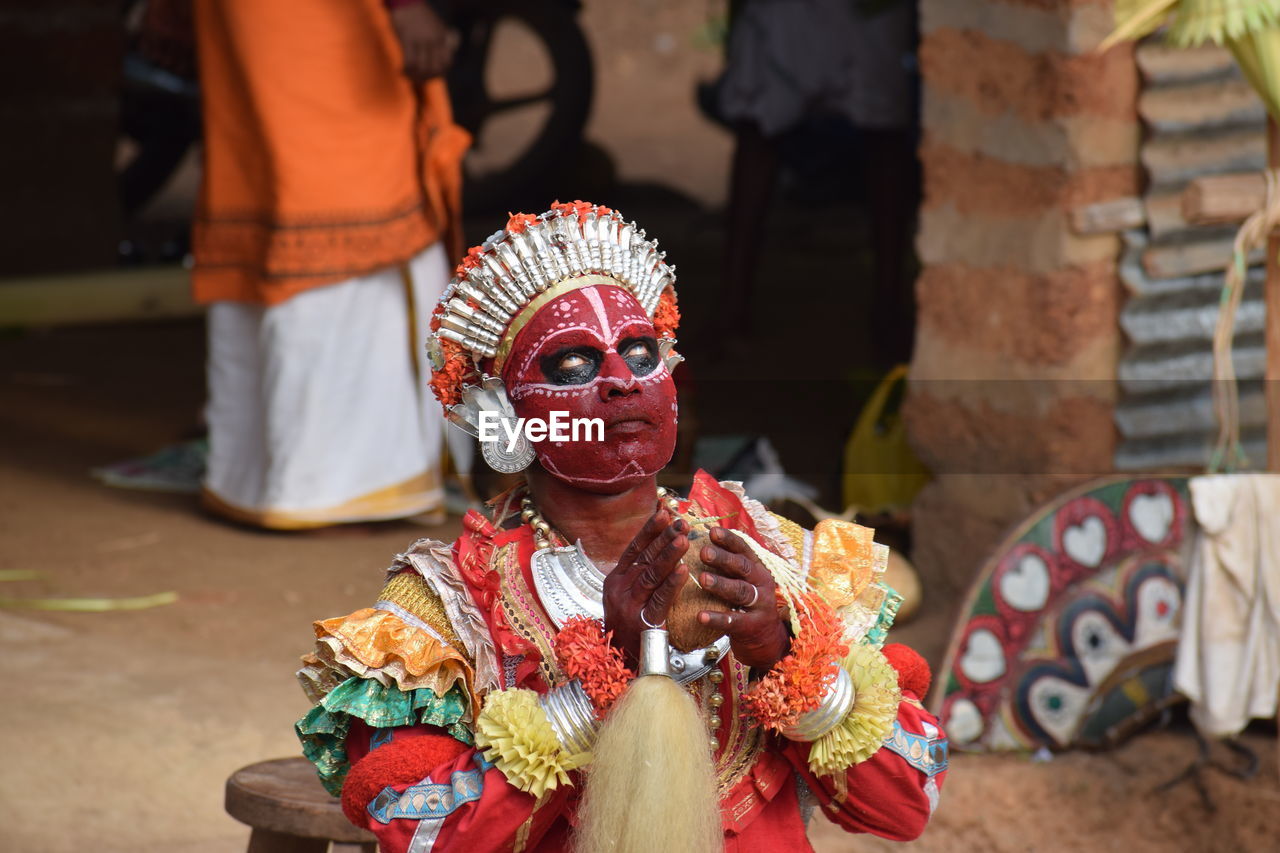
[
  {"x": 602, "y": 664},
  {"x": 324, "y": 228}
]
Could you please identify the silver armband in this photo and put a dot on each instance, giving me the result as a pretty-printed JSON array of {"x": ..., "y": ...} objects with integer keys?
[
  {"x": 572, "y": 716},
  {"x": 822, "y": 719}
]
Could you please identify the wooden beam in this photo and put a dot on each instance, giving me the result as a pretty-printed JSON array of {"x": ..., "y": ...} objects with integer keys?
[
  {"x": 1208, "y": 105},
  {"x": 107, "y": 296},
  {"x": 1162, "y": 63},
  {"x": 1173, "y": 159},
  {"x": 1223, "y": 199},
  {"x": 1105, "y": 217},
  {"x": 1191, "y": 258},
  {"x": 1164, "y": 213}
]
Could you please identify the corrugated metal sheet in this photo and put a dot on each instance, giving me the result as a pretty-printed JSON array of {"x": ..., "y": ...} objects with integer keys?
[{"x": 1201, "y": 119}]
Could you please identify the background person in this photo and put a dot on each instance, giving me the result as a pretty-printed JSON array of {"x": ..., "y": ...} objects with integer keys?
[
  {"x": 328, "y": 210},
  {"x": 790, "y": 61}
]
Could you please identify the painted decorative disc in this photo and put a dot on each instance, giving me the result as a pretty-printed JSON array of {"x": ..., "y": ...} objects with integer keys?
[{"x": 1071, "y": 626}]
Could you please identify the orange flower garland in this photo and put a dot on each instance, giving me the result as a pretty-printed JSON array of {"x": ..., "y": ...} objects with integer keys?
[
  {"x": 446, "y": 383},
  {"x": 469, "y": 262},
  {"x": 518, "y": 222},
  {"x": 581, "y": 208},
  {"x": 584, "y": 652},
  {"x": 666, "y": 317},
  {"x": 798, "y": 682}
]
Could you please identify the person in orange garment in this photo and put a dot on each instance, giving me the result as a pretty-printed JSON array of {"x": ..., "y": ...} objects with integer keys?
[
  {"x": 327, "y": 214},
  {"x": 601, "y": 664}
]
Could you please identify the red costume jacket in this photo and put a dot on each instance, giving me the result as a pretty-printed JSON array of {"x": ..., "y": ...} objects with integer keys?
[{"x": 420, "y": 786}]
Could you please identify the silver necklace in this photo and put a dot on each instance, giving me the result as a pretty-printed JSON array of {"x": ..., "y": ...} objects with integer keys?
[{"x": 568, "y": 582}]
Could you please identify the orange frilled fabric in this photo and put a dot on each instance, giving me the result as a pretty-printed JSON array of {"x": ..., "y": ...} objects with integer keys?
[
  {"x": 843, "y": 562},
  {"x": 373, "y": 643}
]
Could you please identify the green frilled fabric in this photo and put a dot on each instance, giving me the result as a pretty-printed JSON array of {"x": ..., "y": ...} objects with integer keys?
[
  {"x": 884, "y": 620},
  {"x": 323, "y": 731}
]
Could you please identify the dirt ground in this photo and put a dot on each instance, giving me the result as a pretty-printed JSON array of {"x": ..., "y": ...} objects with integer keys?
[{"x": 133, "y": 720}]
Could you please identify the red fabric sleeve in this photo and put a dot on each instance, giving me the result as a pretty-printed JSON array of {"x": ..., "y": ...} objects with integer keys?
[
  {"x": 466, "y": 802},
  {"x": 886, "y": 795},
  {"x": 408, "y": 758}
]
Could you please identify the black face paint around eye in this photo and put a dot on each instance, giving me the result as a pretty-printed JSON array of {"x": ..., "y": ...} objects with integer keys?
[
  {"x": 640, "y": 354},
  {"x": 579, "y": 374}
]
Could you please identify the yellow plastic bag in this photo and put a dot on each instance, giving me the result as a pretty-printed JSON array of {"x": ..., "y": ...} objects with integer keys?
[{"x": 881, "y": 473}]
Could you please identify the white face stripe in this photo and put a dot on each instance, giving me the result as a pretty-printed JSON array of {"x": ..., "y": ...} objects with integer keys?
[
  {"x": 593, "y": 297},
  {"x": 626, "y": 307}
]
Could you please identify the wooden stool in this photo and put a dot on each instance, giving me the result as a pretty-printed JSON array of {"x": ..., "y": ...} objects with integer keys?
[{"x": 290, "y": 812}]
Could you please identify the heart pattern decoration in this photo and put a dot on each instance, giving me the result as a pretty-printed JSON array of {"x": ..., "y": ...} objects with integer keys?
[
  {"x": 964, "y": 721},
  {"x": 1025, "y": 583},
  {"x": 983, "y": 658},
  {"x": 1153, "y": 513},
  {"x": 1087, "y": 582},
  {"x": 1086, "y": 542}
]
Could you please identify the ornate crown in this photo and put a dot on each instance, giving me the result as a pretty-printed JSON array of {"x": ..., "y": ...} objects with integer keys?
[{"x": 502, "y": 283}]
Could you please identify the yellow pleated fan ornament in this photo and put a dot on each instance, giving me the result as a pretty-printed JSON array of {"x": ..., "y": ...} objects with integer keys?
[
  {"x": 875, "y": 707},
  {"x": 517, "y": 738}
]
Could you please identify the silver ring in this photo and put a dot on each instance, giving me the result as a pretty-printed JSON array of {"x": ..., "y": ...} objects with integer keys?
[
  {"x": 650, "y": 625},
  {"x": 755, "y": 596}
]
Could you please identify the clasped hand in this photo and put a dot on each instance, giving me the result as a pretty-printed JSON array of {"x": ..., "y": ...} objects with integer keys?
[{"x": 648, "y": 577}]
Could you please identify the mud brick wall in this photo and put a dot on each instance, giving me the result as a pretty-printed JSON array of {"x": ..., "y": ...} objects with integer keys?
[{"x": 1012, "y": 381}]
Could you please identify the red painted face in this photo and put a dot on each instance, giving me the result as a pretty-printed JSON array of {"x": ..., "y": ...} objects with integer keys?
[{"x": 593, "y": 353}]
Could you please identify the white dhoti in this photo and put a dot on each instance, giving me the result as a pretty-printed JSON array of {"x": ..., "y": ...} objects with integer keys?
[{"x": 319, "y": 409}]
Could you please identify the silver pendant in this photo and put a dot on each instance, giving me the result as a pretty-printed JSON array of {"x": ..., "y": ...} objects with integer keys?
[
  {"x": 568, "y": 584},
  {"x": 498, "y": 458}
]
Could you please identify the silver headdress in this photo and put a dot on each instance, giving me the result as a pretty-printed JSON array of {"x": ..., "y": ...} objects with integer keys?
[{"x": 512, "y": 268}]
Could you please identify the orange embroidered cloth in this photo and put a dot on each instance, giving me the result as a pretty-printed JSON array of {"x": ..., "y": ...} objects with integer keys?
[{"x": 322, "y": 161}]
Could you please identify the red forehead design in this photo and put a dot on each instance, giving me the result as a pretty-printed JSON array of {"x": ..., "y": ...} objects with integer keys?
[{"x": 599, "y": 315}]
